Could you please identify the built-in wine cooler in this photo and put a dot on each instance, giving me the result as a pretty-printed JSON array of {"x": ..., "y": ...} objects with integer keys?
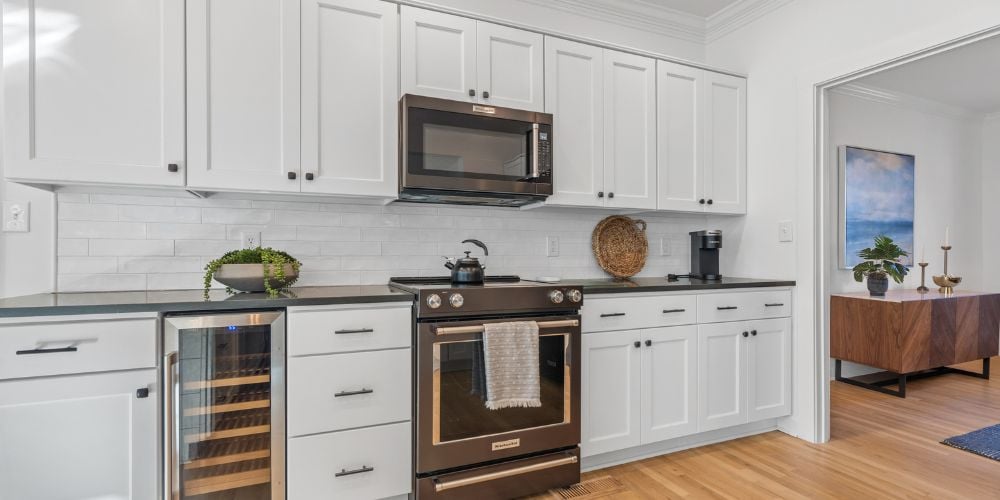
[{"x": 224, "y": 406}]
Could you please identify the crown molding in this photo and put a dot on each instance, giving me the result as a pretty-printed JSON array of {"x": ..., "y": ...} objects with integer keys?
[
  {"x": 643, "y": 15},
  {"x": 902, "y": 100},
  {"x": 737, "y": 15}
]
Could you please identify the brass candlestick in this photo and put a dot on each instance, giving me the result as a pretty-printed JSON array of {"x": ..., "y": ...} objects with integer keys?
[
  {"x": 923, "y": 275},
  {"x": 946, "y": 282}
]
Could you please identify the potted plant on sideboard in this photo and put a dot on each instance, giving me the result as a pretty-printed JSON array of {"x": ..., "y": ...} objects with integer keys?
[
  {"x": 253, "y": 270},
  {"x": 881, "y": 262}
]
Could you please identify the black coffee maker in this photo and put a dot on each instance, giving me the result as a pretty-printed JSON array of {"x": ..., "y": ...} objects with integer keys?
[{"x": 705, "y": 247}]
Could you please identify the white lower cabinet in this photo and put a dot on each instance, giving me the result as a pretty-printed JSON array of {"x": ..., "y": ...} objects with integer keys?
[
  {"x": 79, "y": 436},
  {"x": 610, "y": 391},
  {"x": 769, "y": 370},
  {"x": 669, "y": 370}
]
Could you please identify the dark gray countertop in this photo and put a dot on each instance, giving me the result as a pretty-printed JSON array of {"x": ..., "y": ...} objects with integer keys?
[
  {"x": 46, "y": 304},
  {"x": 634, "y": 285}
]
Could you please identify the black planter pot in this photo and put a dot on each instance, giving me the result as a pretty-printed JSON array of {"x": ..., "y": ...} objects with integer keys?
[{"x": 878, "y": 286}]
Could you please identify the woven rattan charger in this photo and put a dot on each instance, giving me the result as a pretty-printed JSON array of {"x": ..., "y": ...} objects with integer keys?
[{"x": 620, "y": 245}]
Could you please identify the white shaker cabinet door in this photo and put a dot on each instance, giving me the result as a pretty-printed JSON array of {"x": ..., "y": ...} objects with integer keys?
[
  {"x": 669, "y": 392},
  {"x": 509, "y": 66},
  {"x": 769, "y": 368},
  {"x": 79, "y": 436},
  {"x": 439, "y": 55},
  {"x": 243, "y": 95},
  {"x": 725, "y": 143},
  {"x": 680, "y": 102},
  {"x": 350, "y": 54},
  {"x": 610, "y": 392},
  {"x": 629, "y": 130},
  {"x": 574, "y": 96},
  {"x": 94, "y": 91},
  {"x": 722, "y": 386}
]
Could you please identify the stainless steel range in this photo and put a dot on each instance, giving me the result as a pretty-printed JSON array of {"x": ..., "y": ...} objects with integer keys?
[{"x": 463, "y": 449}]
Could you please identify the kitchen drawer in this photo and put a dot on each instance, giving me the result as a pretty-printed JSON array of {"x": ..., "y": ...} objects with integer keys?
[
  {"x": 738, "y": 306},
  {"x": 78, "y": 346},
  {"x": 314, "y": 383},
  {"x": 374, "y": 462},
  {"x": 628, "y": 313},
  {"x": 325, "y": 330}
]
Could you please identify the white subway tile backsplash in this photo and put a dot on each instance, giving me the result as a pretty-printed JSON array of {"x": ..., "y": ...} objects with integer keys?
[{"x": 165, "y": 242}]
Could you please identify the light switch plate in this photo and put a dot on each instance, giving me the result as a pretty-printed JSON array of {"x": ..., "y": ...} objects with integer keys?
[
  {"x": 249, "y": 239},
  {"x": 552, "y": 246},
  {"x": 785, "y": 231},
  {"x": 665, "y": 246},
  {"x": 16, "y": 215}
]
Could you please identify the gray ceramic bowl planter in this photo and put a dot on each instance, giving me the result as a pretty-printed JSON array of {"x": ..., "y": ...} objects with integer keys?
[
  {"x": 878, "y": 286},
  {"x": 250, "y": 277}
]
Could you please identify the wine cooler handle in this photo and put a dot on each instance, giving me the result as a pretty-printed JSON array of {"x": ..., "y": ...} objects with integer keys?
[{"x": 170, "y": 410}]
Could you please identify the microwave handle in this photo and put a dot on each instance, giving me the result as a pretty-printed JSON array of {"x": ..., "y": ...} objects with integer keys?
[{"x": 534, "y": 151}]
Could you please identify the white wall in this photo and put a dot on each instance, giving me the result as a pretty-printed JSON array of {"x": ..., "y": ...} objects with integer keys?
[
  {"x": 991, "y": 202},
  {"x": 786, "y": 54}
]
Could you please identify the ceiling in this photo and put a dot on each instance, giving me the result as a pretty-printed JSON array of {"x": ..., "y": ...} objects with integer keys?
[
  {"x": 967, "y": 78},
  {"x": 700, "y": 8}
]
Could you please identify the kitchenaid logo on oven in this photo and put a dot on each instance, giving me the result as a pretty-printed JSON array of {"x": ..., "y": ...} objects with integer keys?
[
  {"x": 506, "y": 445},
  {"x": 489, "y": 110}
]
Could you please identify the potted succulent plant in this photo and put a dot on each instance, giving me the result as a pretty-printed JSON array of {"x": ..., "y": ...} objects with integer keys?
[
  {"x": 253, "y": 270},
  {"x": 881, "y": 262}
]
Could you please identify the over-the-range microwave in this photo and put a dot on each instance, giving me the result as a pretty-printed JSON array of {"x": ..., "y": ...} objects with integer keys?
[{"x": 473, "y": 154}]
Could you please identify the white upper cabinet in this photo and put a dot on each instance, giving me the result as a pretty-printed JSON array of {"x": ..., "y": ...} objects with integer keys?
[
  {"x": 629, "y": 130},
  {"x": 243, "y": 95},
  {"x": 574, "y": 96},
  {"x": 510, "y": 67},
  {"x": 94, "y": 91},
  {"x": 769, "y": 368},
  {"x": 453, "y": 57},
  {"x": 680, "y": 178},
  {"x": 350, "y": 61},
  {"x": 725, "y": 143}
]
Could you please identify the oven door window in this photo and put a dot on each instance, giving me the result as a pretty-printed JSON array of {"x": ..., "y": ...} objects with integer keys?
[
  {"x": 444, "y": 144},
  {"x": 459, "y": 390}
]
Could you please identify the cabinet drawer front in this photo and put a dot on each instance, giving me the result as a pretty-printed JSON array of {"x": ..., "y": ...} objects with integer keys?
[
  {"x": 55, "y": 348},
  {"x": 738, "y": 306},
  {"x": 317, "y": 331},
  {"x": 672, "y": 310},
  {"x": 374, "y": 462},
  {"x": 626, "y": 313},
  {"x": 344, "y": 391}
]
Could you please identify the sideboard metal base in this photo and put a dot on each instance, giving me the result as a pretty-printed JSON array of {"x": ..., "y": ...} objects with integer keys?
[{"x": 899, "y": 379}]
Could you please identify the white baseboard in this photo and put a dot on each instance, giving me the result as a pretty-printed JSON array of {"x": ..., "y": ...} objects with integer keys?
[{"x": 673, "y": 445}]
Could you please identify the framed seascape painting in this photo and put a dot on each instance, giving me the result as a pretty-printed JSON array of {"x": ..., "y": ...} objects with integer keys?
[{"x": 876, "y": 197}]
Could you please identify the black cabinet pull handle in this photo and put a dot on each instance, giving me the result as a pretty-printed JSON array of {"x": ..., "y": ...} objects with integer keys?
[
  {"x": 292, "y": 176},
  {"x": 611, "y": 195},
  {"x": 776, "y": 304},
  {"x": 309, "y": 176},
  {"x": 472, "y": 92},
  {"x": 702, "y": 201},
  {"x": 173, "y": 167},
  {"x": 745, "y": 334},
  {"x": 46, "y": 351},
  {"x": 345, "y": 472},
  {"x": 753, "y": 332},
  {"x": 142, "y": 393},
  {"x": 668, "y": 311},
  {"x": 726, "y": 308},
  {"x": 356, "y": 330},
  {"x": 486, "y": 94},
  {"x": 649, "y": 342},
  {"x": 637, "y": 344},
  {"x": 610, "y": 315},
  {"x": 600, "y": 194},
  {"x": 710, "y": 201},
  {"x": 353, "y": 393}
]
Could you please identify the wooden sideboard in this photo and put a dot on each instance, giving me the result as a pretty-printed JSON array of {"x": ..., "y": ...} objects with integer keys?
[{"x": 907, "y": 333}]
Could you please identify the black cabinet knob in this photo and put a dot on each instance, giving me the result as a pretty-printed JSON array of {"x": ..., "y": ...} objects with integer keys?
[
  {"x": 142, "y": 393},
  {"x": 745, "y": 334},
  {"x": 472, "y": 92},
  {"x": 637, "y": 344},
  {"x": 486, "y": 94},
  {"x": 753, "y": 332},
  {"x": 292, "y": 176},
  {"x": 309, "y": 176},
  {"x": 649, "y": 342},
  {"x": 173, "y": 167},
  {"x": 600, "y": 194},
  {"x": 702, "y": 201},
  {"x": 611, "y": 195},
  {"x": 710, "y": 202}
]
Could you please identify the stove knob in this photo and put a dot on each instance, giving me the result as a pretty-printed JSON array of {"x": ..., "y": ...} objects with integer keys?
[
  {"x": 556, "y": 296},
  {"x": 456, "y": 300},
  {"x": 434, "y": 301},
  {"x": 574, "y": 295}
]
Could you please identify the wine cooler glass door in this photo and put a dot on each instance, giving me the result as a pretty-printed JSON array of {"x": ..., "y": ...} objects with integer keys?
[{"x": 227, "y": 401}]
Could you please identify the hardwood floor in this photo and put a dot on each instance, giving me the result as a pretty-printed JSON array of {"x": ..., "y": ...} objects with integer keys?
[{"x": 881, "y": 447}]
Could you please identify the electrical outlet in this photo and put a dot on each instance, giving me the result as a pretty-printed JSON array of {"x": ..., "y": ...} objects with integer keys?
[
  {"x": 249, "y": 239},
  {"x": 15, "y": 216},
  {"x": 665, "y": 246},
  {"x": 785, "y": 231},
  {"x": 552, "y": 246}
]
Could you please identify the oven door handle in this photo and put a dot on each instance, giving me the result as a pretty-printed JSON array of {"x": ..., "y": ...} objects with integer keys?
[
  {"x": 455, "y": 330},
  {"x": 535, "y": 172},
  {"x": 466, "y": 481}
]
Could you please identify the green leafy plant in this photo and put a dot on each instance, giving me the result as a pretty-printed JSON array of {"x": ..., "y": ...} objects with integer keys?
[
  {"x": 881, "y": 260},
  {"x": 272, "y": 260}
]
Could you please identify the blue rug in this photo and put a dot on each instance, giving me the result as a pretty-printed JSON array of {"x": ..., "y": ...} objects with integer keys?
[{"x": 985, "y": 442}]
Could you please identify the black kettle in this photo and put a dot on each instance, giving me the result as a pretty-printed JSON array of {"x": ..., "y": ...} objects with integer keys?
[{"x": 468, "y": 270}]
